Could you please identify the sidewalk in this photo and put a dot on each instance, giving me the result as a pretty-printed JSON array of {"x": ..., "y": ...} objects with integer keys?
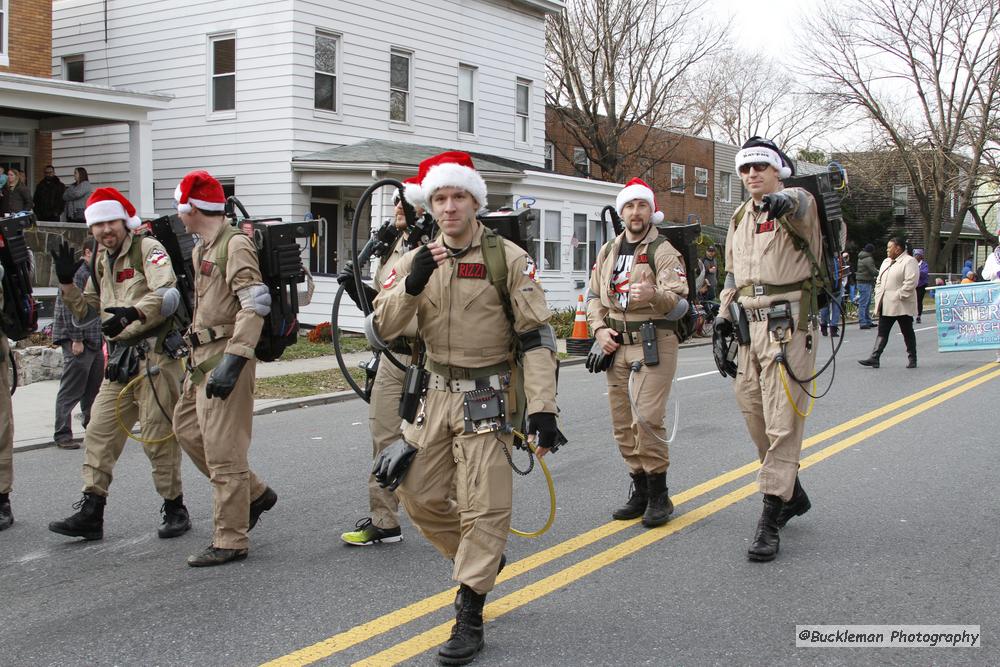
[{"x": 34, "y": 404}]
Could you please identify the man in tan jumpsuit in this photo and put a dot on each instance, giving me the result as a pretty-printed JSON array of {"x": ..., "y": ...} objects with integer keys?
[
  {"x": 6, "y": 427},
  {"x": 384, "y": 421},
  {"x": 137, "y": 287},
  {"x": 214, "y": 416},
  {"x": 624, "y": 294},
  {"x": 469, "y": 339},
  {"x": 765, "y": 268}
]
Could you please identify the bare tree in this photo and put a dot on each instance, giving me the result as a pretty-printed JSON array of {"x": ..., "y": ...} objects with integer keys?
[
  {"x": 739, "y": 95},
  {"x": 926, "y": 74},
  {"x": 615, "y": 71}
]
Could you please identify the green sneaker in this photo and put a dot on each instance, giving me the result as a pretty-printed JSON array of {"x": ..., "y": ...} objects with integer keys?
[{"x": 368, "y": 533}]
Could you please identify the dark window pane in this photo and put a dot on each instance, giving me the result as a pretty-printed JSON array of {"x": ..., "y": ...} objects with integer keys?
[
  {"x": 74, "y": 70},
  {"x": 326, "y": 54},
  {"x": 325, "y": 96},
  {"x": 224, "y": 93},
  {"x": 397, "y": 106},
  {"x": 466, "y": 117},
  {"x": 522, "y": 99},
  {"x": 224, "y": 56},
  {"x": 399, "y": 72}
]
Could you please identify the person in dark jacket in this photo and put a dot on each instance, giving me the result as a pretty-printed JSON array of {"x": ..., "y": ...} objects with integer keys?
[
  {"x": 18, "y": 193},
  {"x": 865, "y": 276},
  {"x": 49, "y": 195}
]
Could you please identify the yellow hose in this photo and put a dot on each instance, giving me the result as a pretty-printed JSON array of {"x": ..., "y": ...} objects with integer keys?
[
  {"x": 121, "y": 424},
  {"x": 788, "y": 393},
  {"x": 552, "y": 494}
]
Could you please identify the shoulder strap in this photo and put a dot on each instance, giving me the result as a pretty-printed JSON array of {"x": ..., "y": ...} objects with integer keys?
[
  {"x": 651, "y": 253},
  {"x": 135, "y": 254},
  {"x": 222, "y": 257},
  {"x": 740, "y": 212},
  {"x": 495, "y": 258}
]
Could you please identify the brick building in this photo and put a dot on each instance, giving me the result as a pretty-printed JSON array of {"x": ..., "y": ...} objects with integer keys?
[{"x": 679, "y": 168}]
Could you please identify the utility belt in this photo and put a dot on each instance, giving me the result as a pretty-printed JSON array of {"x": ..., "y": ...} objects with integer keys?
[
  {"x": 196, "y": 339},
  {"x": 486, "y": 404},
  {"x": 801, "y": 309},
  {"x": 198, "y": 372},
  {"x": 760, "y": 314},
  {"x": 631, "y": 331}
]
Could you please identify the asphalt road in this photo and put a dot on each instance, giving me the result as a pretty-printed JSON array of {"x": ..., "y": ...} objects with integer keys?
[{"x": 903, "y": 530}]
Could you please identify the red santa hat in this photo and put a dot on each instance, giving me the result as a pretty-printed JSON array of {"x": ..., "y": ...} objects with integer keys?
[
  {"x": 451, "y": 169},
  {"x": 639, "y": 189},
  {"x": 106, "y": 204},
  {"x": 413, "y": 193},
  {"x": 199, "y": 189}
]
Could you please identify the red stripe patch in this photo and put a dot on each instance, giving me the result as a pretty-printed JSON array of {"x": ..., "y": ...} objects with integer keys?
[
  {"x": 124, "y": 275},
  {"x": 206, "y": 268},
  {"x": 472, "y": 270},
  {"x": 642, "y": 259}
]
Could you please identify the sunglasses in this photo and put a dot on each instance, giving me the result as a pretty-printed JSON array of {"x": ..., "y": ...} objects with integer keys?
[{"x": 756, "y": 166}]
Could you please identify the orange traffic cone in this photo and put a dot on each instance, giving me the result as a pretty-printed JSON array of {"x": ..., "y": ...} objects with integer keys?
[{"x": 579, "y": 341}]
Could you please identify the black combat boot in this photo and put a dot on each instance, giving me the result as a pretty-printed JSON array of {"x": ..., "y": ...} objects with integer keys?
[
  {"x": 467, "y": 634},
  {"x": 88, "y": 523},
  {"x": 765, "y": 542},
  {"x": 6, "y": 516},
  {"x": 659, "y": 507},
  {"x": 911, "y": 360},
  {"x": 263, "y": 503},
  {"x": 636, "y": 503},
  {"x": 822, "y": 329},
  {"x": 458, "y": 594},
  {"x": 797, "y": 506},
  {"x": 215, "y": 556},
  {"x": 834, "y": 332},
  {"x": 876, "y": 353},
  {"x": 175, "y": 518}
]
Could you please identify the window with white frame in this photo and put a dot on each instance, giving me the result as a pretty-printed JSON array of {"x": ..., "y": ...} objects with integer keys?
[
  {"x": 73, "y": 68},
  {"x": 588, "y": 237},
  {"x": 325, "y": 75},
  {"x": 676, "y": 177},
  {"x": 400, "y": 70},
  {"x": 899, "y": 197},
  {"x": 522, "y": 112},
  {"x": 223, "y": 69},
  {"x": 546, "y": 240},
  {"x": 700, "y": 182},
  {"x": 598, "y": 236},
  {"x": 550, "y": 156},
  {"x": 467, "y": 99},
  {"x": 4, "y": 18},
  {"x": 725, "y": 186},
  {"x": 580, "y": 161}
]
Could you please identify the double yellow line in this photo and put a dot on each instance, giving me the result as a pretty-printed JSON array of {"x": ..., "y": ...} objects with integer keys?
[{"x": 431, "y": 638}]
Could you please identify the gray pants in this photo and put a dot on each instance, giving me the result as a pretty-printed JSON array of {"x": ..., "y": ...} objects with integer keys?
[{"x": 80, "y": 382}]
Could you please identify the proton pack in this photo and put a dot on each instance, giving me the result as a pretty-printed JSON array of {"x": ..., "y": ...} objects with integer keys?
[
  {"x": 19, "y": 317},
  {"x": 280, "y": 267}
]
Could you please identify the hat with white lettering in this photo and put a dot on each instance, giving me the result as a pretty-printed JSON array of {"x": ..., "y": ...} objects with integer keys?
[
  {"x": 639, "y": 189},
  {"x": 451, "y": 169},
  {"x": 758, "y": 149},
  {"x": 199, "y": 189},
  {"x": 106, "y": 204}
]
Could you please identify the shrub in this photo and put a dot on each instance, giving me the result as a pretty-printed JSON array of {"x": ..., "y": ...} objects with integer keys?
[{"x": 562, "y": 321}]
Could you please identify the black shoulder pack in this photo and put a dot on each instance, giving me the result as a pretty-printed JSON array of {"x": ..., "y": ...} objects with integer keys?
[
  {"x": 19, "y": 317},
  {"x": 281, "y": 267}
]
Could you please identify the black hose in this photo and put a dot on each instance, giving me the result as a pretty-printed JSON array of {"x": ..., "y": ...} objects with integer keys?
[{"x": 335, "y": 336}]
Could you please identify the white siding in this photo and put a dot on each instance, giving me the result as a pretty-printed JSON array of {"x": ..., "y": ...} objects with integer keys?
[{"x": 725, "y": 161}]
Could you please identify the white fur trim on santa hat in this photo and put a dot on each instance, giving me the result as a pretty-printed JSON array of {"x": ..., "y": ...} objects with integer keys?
[
  {"x": 763, "y": 154},
  {"x": 414, "y": 194},
  {"x": 192, "y": 202},
  {"x": 636, "y": 191},
  {"x": 107, "y": 210},
  {"x": 452, "y": 175}
]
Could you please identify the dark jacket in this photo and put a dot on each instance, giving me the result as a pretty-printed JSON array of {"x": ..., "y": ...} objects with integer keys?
[
  {"x": 49, "y": 199},
  {"x": 867, "y": 270},
  {"x": 18, "y": 199},
  {"x": 63, "y": 327}
]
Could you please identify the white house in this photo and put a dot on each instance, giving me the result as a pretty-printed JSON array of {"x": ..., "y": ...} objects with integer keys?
[{"x": 299, "y": 105}]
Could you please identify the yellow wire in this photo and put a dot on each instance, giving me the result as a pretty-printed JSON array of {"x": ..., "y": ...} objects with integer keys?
[
  {"x": 121, "y": 424},
  {"x": 788, "y": 393},
  {"x": 552, "y": 495}
]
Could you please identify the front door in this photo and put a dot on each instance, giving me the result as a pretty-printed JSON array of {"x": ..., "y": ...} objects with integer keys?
[{"x": 323, "y": 258}]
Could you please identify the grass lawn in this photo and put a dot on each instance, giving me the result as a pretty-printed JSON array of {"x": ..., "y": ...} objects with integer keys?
[
  {"x": 299, "y": 385},
  {"x": 303, "y": 349}
]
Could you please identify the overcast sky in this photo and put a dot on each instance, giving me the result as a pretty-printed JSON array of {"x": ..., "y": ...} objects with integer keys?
[{"x": 764, "y": 25}]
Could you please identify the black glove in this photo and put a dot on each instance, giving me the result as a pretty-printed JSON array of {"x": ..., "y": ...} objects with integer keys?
[
  {"x": 346, "y": 278},
  {"x": 420, "y": 271},
  {"x": 777, "y": 204},
  {"x": 598, "y": 360},
  {"x": 120, "y": 318},
  {"x": 392, "y": 464},
  {"x": 224, "y": 377},
  {"x": 65, "y": 263},
  {"x": 543, "y": 424},
  {"x": 722, "y": 327}
]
